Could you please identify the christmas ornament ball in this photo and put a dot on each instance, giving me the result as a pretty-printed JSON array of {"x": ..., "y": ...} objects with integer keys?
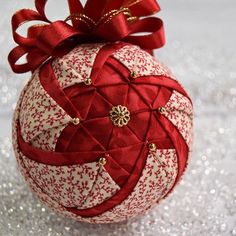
[{"x": 103, "y": 133}]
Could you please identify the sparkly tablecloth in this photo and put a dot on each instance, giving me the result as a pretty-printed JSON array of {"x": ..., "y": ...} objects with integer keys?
[{"x": 201, "y": 52}]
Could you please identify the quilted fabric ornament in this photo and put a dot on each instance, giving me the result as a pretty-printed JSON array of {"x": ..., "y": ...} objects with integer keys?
[{"x": 102, "y": 131}]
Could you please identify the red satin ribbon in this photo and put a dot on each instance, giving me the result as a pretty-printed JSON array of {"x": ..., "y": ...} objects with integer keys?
[{"x": 56, "y": 38}]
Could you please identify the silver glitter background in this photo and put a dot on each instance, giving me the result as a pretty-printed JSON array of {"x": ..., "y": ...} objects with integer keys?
[{"x": 201, "y": 51}]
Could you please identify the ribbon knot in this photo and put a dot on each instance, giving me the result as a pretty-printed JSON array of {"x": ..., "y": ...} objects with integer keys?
[{"x": 98, "y": 21}]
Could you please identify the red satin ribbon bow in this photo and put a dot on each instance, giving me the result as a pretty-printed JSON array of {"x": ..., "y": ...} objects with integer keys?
[{"x": 98, "y": 21}]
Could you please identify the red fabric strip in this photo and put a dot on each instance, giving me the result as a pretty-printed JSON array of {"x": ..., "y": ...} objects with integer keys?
[
  {"x": 52, "y": 87},
  {"x": 66, "y": 138},
  {"x": 178, "y": 142},
  {"x": 111, "y": 4},
  {"x": 143, "y": 8},
  {"x": 40, "y": 6},
  {"x": 71, "y": 158},
  {"x": 103, "y": 56},
  {"x": 94, "y": 9},
  {"x": 159, "y": 80},
  {"x": 118, "y": 173},
  {"x": 24, "y": 16},
  {"x": 75, "y": 8},
  {"x": 156, "y": 38},
  {"x": 19, "y": 52},
  {"x": 122, "y": 194}
]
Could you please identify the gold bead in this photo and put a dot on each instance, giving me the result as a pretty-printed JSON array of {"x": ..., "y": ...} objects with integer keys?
[
  {"x": 88, "y": 81},
  {"x": 102, "y": 161},
  {"x": 152, "y": 146},
  {"x": 75, "y": 121},
  {"x": 162, "y": 110},
  {"x": 133, "y": 74}
]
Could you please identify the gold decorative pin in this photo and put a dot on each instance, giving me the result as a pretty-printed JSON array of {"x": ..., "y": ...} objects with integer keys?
[
  {"x": 102, "y": 161},
  {"x": 75, "y": 121},
  {"x": 133, "y": 74},
  {"x": 162, "y": 110},
  {"x": 88, "y": 81},
  {"x": 120, "y": 115},
  {"x": 152, "y": 147}
]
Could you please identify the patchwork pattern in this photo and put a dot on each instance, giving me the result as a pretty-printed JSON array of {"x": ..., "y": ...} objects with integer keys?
[
  {"x": 140, "y": 62},
  {"x": 103, "y": 188},
  {"x": 81, "y": 186},
  {"x": 39, "y": 112},
  {"x": 76, "y": 66},
  {"x": 157, "y": 178},
  {"x": 47, "y": 140},
  {"x": 145, "y": 194},
  {"x": 88, "y": 185},
  {"x": 180, "y": 112}
]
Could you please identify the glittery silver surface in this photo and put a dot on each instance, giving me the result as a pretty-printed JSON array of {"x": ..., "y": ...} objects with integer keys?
[{"x": 201, "y": 52}]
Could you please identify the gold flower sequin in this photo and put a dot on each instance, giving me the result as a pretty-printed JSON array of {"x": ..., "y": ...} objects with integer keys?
[{"x": 120, "y": 115}]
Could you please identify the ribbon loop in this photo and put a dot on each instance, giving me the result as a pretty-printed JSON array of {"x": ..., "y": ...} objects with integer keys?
[
  {"x": 21, "y": 18},
  {"x": 51, "y": 36},
  {"x": 114, "y": 30},
  {"x": 110, "y": 21},
  {"x": 40, "y": 6},
  {"x": 144, "y": 8},
  {"x": 156, "y": 38}
]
